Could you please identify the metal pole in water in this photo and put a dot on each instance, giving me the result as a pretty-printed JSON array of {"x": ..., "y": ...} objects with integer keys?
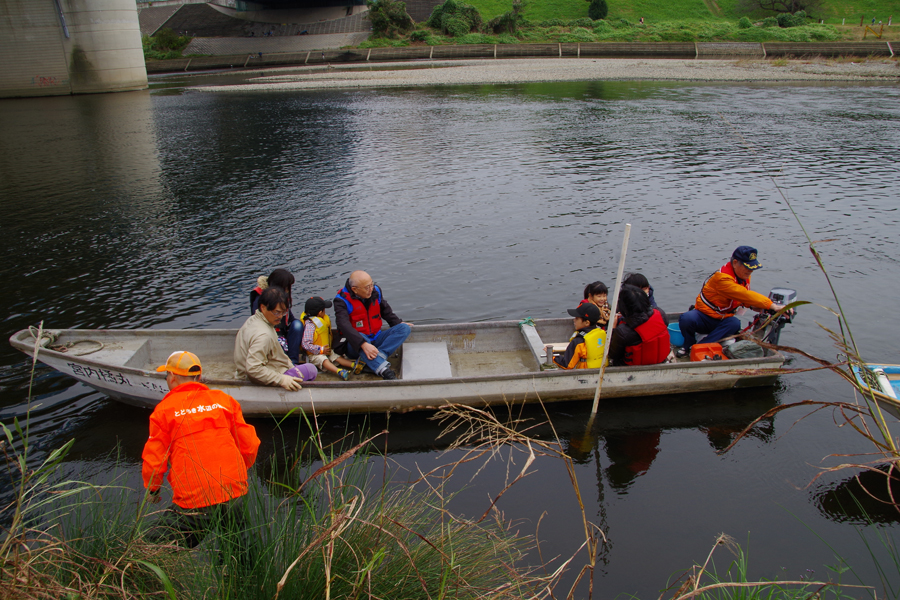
[{"x": 612, "y": 318}]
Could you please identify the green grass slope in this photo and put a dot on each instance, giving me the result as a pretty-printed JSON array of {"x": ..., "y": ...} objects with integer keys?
[
  {"x": 654, "y": 11},
  {"x": 835, "y": 10}
]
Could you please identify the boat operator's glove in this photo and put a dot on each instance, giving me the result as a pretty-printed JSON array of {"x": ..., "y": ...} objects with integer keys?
[{"x": 291, "y": 384}]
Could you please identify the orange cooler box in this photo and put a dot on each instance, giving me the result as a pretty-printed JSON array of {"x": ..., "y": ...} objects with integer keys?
[{"x": 707, "y": 352}]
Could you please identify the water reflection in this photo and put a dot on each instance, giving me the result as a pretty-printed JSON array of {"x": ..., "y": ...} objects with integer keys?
[
  {"x": 630, "y": 456},
  {"x": 861, "y": 497}
]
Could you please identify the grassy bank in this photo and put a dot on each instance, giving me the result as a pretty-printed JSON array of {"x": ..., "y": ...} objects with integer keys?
[
  {"x": 832, "y": 11},
  {"x": 316, "y": 523},
  {"x": 308, "y": 534},
  {"x": 585, "y": 31},
  {"x": 567, "y": 21}
]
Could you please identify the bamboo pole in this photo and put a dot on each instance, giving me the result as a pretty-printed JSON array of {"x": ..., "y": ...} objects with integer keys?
[{"x": 612, "y": 317}]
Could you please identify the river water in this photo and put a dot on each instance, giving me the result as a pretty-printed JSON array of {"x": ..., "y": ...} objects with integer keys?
[{"x": 470, "y": 203}]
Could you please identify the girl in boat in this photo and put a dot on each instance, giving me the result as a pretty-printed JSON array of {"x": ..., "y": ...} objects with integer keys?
[{"x": 597, "y": 294}]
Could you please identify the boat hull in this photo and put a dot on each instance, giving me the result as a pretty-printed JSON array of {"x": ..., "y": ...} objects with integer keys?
[{"x": 490, "y": 363}]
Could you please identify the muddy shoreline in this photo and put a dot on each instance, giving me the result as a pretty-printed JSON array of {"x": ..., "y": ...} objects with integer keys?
[{"x": 500, "y": 71}]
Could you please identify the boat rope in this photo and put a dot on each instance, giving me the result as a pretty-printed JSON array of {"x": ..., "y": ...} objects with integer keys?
[
  {"x": 68, "y": 347},
  {"x": 527, "y": 321},
  {"x": 49, "y": 338}
]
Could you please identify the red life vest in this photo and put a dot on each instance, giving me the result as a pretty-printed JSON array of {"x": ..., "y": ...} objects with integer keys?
[
  {"x": 654, "y": 346},
  {"x": 363, "y": 320}
]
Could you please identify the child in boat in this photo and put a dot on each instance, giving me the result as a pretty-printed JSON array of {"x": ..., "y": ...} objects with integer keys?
[
  {"x": 638, "y": 280},
  {"x": 317, "y": 338},
  {"x": 597, "y": 294},
  {"x": 585, "y": 350}
]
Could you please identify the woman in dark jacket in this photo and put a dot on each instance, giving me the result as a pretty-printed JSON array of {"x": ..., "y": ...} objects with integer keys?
[
  {"x": 639, "y": 280},
  {"x": 642, "y": 337},
  {"x": 290, "y": 329}
]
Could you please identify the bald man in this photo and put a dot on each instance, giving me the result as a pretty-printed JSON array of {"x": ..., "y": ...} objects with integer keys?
[{"x": 360, "y": 311}]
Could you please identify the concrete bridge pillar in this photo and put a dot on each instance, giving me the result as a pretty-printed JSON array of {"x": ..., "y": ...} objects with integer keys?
[{"x": 59, "y": 47}]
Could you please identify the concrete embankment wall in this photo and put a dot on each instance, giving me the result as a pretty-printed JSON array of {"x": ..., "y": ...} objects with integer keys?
[
  {"x": 698, "y": 50},
  {"x": 60, "y": 47}
]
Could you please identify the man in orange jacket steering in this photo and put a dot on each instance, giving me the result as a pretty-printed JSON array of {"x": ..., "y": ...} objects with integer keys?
[
  {"x": 722, "y": 294},
  {"x": 201, "y": 433}
]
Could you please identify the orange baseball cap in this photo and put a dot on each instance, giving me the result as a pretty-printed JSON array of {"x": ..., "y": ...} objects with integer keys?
[{"x": 182, "y": 363}]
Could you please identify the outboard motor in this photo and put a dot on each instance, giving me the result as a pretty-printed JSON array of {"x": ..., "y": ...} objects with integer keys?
[{"x": 773, "y": 330}]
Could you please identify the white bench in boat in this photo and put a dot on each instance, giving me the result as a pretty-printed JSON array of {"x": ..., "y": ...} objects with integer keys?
[
  {"x": 538, "y": 346},
  {"x": 535, "y": 344},
  {"x": 425, "y": 360}
]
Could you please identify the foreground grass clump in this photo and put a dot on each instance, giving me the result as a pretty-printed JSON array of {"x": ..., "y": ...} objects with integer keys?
[
  {"x": 704, "y": 582},
  {"x": 325, "y": 532}
]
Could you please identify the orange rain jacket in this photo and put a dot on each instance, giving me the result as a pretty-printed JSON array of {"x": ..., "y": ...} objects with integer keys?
[
  {"x": 723, "y": 293},
  {"x": 202, "y": 434}
]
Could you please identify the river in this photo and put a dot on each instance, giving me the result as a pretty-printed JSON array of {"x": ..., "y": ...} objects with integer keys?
[{"x": 469, "y": 203}]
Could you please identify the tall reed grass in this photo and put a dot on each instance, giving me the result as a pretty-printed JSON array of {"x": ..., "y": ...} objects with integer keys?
[{"x": 865, "y": 415}]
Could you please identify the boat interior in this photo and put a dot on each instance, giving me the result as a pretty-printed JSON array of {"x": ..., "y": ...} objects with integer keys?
[
  {"x": 430, "y": 352},
  {"x": 435, "y": 351}
]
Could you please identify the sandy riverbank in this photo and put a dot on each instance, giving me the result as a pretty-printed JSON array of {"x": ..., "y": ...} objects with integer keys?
[{"x": 543, "y": 69}]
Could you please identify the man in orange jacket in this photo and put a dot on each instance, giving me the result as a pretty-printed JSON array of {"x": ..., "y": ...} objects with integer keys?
[
  {"x": 722, "y": 294},
  {"x": 201, "y": 433}
]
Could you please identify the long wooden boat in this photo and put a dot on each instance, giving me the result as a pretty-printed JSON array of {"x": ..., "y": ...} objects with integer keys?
[
  {"x": 498, "y": 362},
  {"x": 884, "y": 383}
]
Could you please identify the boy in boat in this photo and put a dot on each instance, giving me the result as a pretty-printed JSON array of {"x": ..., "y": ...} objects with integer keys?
[
  {"x": 199, "y": 435},
  {"x": 585, "y": 350},
  {"x": 317, "y": 338}
]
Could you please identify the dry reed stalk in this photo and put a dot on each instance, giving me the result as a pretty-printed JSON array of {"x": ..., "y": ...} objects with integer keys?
[
  {"x": 697, "y": 572},
  {"x": 855, "y": 415},
  {"x": 482, "y": 435},
  {"x": 845, "y": 341}
]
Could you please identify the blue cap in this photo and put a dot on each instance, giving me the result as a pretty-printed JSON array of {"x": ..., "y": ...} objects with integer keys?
[{"x": 746, "y": 255}]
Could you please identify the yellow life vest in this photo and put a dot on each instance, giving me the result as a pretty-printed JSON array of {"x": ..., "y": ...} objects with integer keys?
[
  {"x": 322, "y": 335},
  {"x": 593, "y": 343}
]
